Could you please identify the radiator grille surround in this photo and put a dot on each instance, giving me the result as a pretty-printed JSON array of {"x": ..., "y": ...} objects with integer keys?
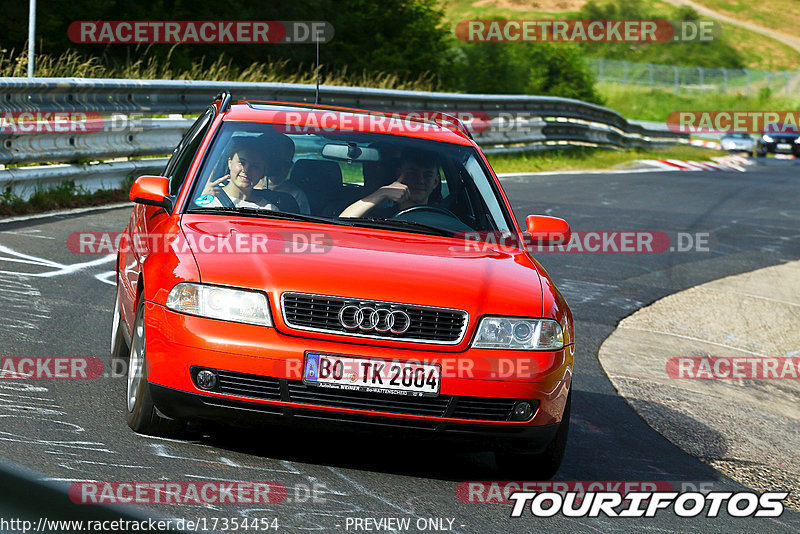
[{"x": 320, "y": 313}]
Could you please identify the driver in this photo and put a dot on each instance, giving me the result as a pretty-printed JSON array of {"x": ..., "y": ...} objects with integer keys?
[
  {"x": 246, "y": 167},
  {"x": 417, "y": 177}
]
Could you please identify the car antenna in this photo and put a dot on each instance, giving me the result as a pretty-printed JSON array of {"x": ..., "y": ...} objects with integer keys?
[{"x": 316, "y": 92}]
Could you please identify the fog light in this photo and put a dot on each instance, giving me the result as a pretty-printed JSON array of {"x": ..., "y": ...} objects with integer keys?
[
  {"x": 522, "y": 411},
  {"x": 206, "y": 379}
]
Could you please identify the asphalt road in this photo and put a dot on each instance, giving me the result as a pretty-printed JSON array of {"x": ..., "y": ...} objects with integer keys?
[{"x": 55, "y": 303}]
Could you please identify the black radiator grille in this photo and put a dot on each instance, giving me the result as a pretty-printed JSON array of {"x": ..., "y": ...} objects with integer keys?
[{"x": 321, "y": 313}]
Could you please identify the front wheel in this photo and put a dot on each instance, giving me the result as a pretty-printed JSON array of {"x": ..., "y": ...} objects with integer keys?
[
  {"x": 141, "y": 413},
  {"x": 544, "y": 465}
]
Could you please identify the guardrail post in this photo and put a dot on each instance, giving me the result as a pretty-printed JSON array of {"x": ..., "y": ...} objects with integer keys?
[
  {"x": 677, "y": 78},
  {"x": 725, "y": 80},
  {"x": 652, "y": 68}
]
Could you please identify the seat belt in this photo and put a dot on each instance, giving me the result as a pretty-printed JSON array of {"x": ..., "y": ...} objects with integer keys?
[{"x": 225, "y": 200}]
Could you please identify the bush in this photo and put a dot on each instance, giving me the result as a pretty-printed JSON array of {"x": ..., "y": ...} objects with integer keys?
[{"x": 552, "y": 69}]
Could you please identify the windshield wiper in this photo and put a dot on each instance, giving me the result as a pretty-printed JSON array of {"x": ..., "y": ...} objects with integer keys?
[
  {"x": 395, "y": 224},
  {"x": 270, "y": 214}
]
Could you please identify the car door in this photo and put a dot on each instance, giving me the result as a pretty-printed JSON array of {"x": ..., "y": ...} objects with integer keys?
[{"x": 149, "y": 222}]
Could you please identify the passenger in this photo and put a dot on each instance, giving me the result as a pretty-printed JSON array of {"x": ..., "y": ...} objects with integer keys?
[
  {"x": 280, "y": 151},
  {"x": 417, "y": 177}
]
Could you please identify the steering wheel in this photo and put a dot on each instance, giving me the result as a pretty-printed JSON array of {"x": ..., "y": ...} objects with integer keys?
[
  {"x": 434, "y": 216},
  {"x": 429, "y": 209}
]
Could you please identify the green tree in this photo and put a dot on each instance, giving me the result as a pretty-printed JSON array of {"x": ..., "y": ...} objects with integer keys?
[
  {"x": 552, "y": 69},
  {"x": 404, "y": 37}
]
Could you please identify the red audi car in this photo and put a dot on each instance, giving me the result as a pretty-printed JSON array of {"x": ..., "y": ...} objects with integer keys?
[{"x": 302, "y": 264}]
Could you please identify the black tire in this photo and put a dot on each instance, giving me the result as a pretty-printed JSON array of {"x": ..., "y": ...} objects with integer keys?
[
  {"x": 140, "y": 412},
  {"x": 543, "y": 465}
]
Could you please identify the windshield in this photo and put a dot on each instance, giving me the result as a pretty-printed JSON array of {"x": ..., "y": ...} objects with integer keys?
[{"x": 362, "y": 179}]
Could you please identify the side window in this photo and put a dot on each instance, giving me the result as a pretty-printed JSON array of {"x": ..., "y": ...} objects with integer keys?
[{"x": 181, "y": 160}]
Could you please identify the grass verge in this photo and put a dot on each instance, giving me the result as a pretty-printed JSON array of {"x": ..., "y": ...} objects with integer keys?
[
  {"x": 643, "y": 103},
  {"x": 72, "y": 64},
  {"x": 64, "y": 196},
  {"x": 591, "y": 159}
]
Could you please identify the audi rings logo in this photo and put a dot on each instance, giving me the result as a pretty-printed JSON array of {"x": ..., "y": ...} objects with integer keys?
[{"x": 369, "y": 319}]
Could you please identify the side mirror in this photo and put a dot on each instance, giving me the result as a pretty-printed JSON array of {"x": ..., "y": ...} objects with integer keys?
[
  {"x": 545, "y": 230},
  {"x": 152, "y": 191}
]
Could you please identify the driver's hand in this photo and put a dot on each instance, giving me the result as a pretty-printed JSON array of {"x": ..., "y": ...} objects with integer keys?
[
  {"x": 213, "y": 187},
  {"x": 396, "y": 191}
]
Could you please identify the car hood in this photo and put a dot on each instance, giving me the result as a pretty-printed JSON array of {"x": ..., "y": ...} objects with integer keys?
[{"x": 368, "y": 264}]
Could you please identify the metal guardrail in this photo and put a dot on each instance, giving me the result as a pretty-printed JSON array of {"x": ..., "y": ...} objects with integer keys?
[{"x": 518, "y": 122}]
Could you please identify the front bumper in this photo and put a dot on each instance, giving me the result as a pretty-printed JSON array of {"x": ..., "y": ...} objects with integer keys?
[
  {"x": 793, "y": 148},
  {"x": 178, "y": 342},
  {"x": 513, "y": 438}
]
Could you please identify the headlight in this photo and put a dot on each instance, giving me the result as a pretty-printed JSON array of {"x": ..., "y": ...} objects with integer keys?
[
  {"x": 768, "y": 139},
  {"x": 797, "y": 140},
  {"x": 237, "y": 305},
  {"x": 519, "y": 334}
]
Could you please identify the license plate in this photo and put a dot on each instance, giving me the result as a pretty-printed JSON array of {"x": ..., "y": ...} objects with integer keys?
[
  {"x": 784, "y": 146},
  {"x": 366, "y": 374}
]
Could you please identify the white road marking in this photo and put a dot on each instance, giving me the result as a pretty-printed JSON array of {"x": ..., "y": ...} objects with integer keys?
[
  {"x": 90, "y": 462},
  {"x": 28, "y": 233},
  {"x": 161, "y": 450},
  {"x": 23, "y": 308},
  {"x": 106, "y": 278},
  {"x": 60, "y": 268},
  {"x": 365, "y": 491}
]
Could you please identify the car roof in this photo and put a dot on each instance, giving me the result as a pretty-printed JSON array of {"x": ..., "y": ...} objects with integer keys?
[{"x": 305, "y": 118}]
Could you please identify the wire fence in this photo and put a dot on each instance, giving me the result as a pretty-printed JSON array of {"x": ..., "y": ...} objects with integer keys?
[{"x": 696, "y": 79}]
